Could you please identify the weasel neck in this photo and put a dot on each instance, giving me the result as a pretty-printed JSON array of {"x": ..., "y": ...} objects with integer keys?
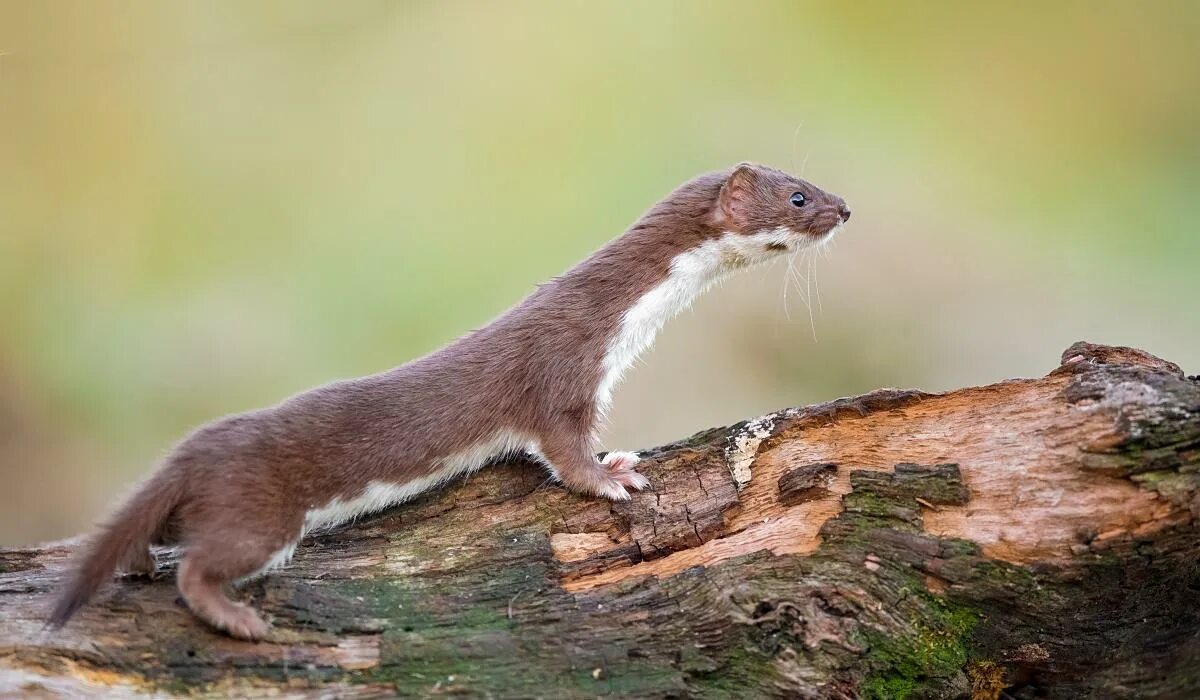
[{"x": 690, "y": 274}]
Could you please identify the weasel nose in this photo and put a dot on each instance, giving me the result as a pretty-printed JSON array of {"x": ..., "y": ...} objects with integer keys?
[{"x": 844, "y": 211}]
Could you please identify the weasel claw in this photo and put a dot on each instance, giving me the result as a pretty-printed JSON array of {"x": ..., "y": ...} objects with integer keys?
[
  {"x": 620, "y": 468},
  {"x": 620, "y": 461},
  {"x": 632, "y": 479},
  {"x": 613, "y": 491},
  {"x": 246, "y": 625}
]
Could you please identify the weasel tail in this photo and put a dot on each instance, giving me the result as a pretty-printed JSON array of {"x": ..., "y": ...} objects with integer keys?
[{"x": 125, "y": 540}]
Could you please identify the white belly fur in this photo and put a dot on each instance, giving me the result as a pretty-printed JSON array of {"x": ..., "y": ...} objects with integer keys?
[{"x": 379, "y": 495}]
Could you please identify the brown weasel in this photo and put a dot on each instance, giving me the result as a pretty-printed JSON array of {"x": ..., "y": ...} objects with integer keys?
[{"x": 238, "y": 494}]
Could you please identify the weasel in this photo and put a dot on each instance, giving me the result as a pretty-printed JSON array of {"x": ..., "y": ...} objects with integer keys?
[{"x": 239, "y": 494}]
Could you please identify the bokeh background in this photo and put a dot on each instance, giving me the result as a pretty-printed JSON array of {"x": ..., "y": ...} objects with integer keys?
[{"x": 207, "y": 206}]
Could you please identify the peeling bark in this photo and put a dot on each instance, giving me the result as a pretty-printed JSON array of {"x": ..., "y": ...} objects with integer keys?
[{"x": 1036, "y": 538}]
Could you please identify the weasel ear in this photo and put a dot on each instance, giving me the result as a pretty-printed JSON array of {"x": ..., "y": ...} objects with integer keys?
[{"x": 737, "y": 193}]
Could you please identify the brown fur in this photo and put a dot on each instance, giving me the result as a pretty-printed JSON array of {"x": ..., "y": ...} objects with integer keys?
[{"x": 236, "y": 491}]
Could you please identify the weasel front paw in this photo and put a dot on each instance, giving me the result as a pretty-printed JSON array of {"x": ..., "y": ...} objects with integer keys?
[
  {"x": 620, "y": 468},
  {"x": 620, "y": 460},
  {"x": 613, "y": 490}
]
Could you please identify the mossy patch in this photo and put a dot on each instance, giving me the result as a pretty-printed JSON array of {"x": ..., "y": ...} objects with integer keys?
[{"x": 927, "y": 658}]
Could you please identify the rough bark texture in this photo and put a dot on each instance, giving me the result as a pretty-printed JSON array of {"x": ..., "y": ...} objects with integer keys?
[{"x": 1035, "y": 538}]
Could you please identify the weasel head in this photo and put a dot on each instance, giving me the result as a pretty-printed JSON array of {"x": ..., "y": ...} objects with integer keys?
[{"x": 775, "y": 210}]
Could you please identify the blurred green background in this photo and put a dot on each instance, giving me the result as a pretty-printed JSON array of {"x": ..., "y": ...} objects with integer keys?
[{"x": 205, "y": 207}]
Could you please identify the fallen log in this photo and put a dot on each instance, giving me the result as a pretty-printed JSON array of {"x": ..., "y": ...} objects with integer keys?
[{"x": 1032, "y": 538}]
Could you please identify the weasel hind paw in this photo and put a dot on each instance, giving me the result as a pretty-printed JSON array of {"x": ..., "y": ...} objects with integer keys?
[{"x": 245, "y": 624}]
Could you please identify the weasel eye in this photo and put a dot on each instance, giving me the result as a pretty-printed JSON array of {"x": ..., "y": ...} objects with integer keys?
[{"x": 798, "y": 199}]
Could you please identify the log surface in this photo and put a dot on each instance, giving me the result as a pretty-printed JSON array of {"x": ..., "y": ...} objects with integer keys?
[{"x": 1032, "y": 538}]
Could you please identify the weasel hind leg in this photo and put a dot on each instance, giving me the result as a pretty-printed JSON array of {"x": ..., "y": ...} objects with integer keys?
[
  {"x": 210, "y": 566},
  {"x": 141, "y": 563}
]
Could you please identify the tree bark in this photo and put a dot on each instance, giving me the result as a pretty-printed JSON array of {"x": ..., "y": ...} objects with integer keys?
[{"x": 1033, "y": 538}]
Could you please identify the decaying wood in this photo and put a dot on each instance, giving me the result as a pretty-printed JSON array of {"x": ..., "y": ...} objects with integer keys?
[{"x": 1033, "y": 538}]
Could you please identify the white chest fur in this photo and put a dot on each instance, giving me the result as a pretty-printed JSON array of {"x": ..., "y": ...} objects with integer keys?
[
  {"x": 691, "y": 273},
  {"x": 379, "y": 495}
]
